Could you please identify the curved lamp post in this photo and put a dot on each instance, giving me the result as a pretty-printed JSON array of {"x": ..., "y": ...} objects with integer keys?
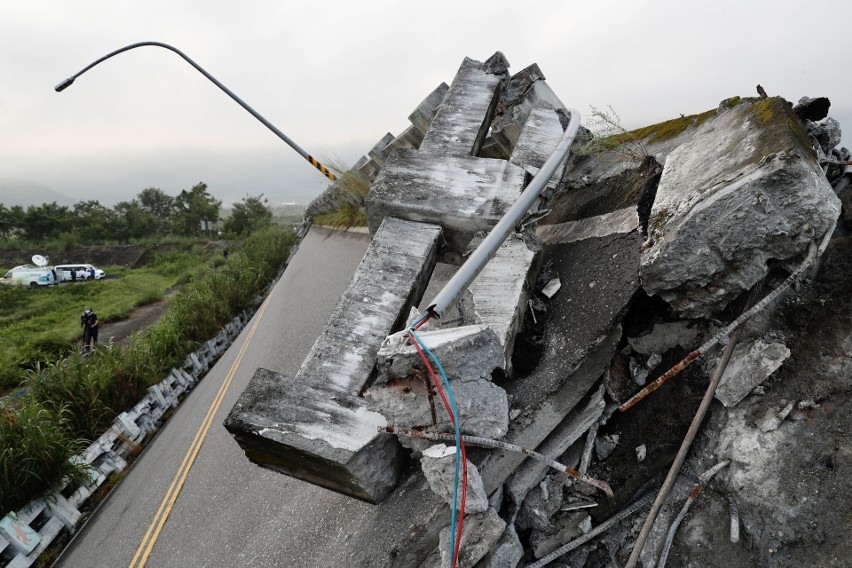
[{"x": 67, "y": 83}]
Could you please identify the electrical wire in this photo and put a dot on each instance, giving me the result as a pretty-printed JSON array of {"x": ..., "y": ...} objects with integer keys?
[{"x": 461, "y": 455}]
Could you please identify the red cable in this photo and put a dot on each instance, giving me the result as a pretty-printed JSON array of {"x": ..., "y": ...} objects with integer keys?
[
  {"x": 429, "y": 368},
  {"x": 423, "y": 321}
]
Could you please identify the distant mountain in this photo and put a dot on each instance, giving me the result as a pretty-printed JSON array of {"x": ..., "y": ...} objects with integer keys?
[{"x": 24, "y": 193}]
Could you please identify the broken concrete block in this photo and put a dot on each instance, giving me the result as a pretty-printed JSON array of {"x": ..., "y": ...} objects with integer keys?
[
  {"x": 605, "y": 445},
  {"x": 750, "y": 365},
  {"x": 812, "y": 109},
  {"x": 540, "y": 136},
  {"x": 621, "y": 221},
  {"x": 499, "y": 295},
  {"x": 541, "y": 503},
  {"x": 421, "y": 117},
  {"x": 438, "y": 464},
  {"x": 389, "y": 280},
  {"x": 316, "y": 433},
  {"x": 479, "y": 535},
  {"x": 745, "y": 189},
  {"x": 462, "y": 194},
  {"x": 379, "y": 152},
  {"x": 461, "y": 123},
  {"x": 467, "y": 353},
  {"x": 565, "y": 528},
  {"x": 599, "y": 278},
  {"x": 571, "y": 429},
  {"x": 525, "y": 91},
  {"x": 482, "y": 406},
  {"x": 665, "y": 336},
  {"x": 506, "y": 553}
]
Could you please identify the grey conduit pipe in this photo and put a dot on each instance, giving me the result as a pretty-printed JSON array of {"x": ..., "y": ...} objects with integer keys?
[{"x": 483, "y": 253}]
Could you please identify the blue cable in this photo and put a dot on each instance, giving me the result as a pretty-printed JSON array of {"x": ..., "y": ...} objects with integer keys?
[{"x": 458, "y": 439}]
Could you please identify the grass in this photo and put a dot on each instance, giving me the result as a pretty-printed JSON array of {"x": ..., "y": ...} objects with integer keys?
[
  {"x": 80, "y": 396},
  {"x": 353, "y": 190},
  {"x": 38, "y": 325}
]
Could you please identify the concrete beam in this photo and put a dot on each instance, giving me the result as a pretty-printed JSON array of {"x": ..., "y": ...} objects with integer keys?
[
  {"x": 462, "y": 120},
  {"x": 463, "y": 195}
]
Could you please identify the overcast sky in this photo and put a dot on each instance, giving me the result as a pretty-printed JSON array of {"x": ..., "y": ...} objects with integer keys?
[{"x": 337, "y": 75}]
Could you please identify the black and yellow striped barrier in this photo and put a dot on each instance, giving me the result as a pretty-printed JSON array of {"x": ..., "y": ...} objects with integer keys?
[{"x": 325, "y": 171}]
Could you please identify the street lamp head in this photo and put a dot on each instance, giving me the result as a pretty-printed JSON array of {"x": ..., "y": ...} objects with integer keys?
[{"x": 64, "y": 84}]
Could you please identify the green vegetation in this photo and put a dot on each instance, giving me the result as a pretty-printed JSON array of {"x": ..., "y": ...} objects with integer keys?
[
  {"x": 665, "y": 130},
  {"x": 80, "y": 396},
  {"x": 353, "y": 190},
  {"x": 40, "y": 325}
]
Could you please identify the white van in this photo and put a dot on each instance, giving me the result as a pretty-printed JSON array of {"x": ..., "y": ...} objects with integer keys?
[
  {"x": 30, "y": 275},
  {"x": 67, "y": 272}
]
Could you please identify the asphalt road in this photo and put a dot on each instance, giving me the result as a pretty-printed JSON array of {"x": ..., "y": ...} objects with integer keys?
[{"x": 231, "y": 512}]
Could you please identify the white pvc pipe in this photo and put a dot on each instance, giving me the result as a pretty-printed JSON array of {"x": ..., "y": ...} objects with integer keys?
[{"x": 483, "y": 253}]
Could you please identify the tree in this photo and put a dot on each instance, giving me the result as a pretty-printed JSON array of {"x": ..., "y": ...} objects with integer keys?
[
  {"x": 192, "y": 207},
  {"x": 158, "y": 203},
  {"x": 135, "y": 221},
  {"x": 94, "y": 222},
  {"x": 249, "y": 215},
  {"x": 11, "y": 221},
  {"x": 46, "y": 221}
]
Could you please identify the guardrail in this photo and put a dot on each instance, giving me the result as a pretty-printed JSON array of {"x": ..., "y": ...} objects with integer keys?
[{"x": 27, "y": 532}]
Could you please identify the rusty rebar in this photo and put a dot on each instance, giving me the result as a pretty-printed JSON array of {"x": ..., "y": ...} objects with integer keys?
[
  {"x": 725, "y": 333},
  {"x": 490, "y": 443}
]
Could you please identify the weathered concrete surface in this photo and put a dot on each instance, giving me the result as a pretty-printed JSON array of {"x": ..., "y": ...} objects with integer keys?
[
  {"x": 421, "y": 117},
  {"x": 666, "y": 336},
  {"x": 540, "y": 136},
  {"x": 744, "y": 190},
  {"x": 482, "y": 405},
  {"x": 467, "y": 353},
  {"x": 599, "y": 278},
  {"x": 499, "y": 295},
  {"x": 479, "y": 535},
  {"x": 750, "y": 365},
  {"x": 438, "y": 465},
  {"x": 575, "y": 425},
  {"x": 462, "y": 194},
  {"x": 389, "y": 281},
  {"x": 506, "y": 553},
  {"x": 524, "y": 92},
  {"x": 315, "y": 433},
  {"x": 322, "y": 431},
  {"x": 461, "y": 122},
  {"x": 619, "y": 221}
]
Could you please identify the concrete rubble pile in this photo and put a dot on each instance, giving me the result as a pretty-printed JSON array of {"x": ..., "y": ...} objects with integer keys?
[{"x": 629, "y": 262}]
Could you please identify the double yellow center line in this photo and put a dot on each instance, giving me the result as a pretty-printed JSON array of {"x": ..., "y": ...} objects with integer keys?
[{"x": 144, "y": 550}]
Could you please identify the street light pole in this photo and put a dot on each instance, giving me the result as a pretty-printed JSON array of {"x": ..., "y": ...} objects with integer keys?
[{"x": 67, "y": 83}]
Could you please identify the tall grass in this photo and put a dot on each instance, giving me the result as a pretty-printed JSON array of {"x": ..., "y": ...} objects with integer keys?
[
  {"x": 35, "y": 446},
  {"x": 88, "y": 392}
]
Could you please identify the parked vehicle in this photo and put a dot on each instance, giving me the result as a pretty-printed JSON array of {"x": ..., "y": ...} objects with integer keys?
[
  {"x": 30, "y": 275},
  {"x": 66, "y": 272}
]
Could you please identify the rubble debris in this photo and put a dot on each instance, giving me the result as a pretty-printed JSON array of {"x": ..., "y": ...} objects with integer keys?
[
  {"x": 621, "y": 221},
  {"x": 564, "y": 527},
  {"x": 750, "y": 365},
  {"x": 735, "y": 520},
  {"x": 641, "y": 452},
  {"x": 814, "y": 252},
  {"x": 438, "y": 465},
  {"x": 773, "y": 420},
  {"x": 482, "y": 531},
  {"x": 703, "y": 480},
  {"x": 467, "y": 353},
  {"x": 666, "y": 336},
  {"x": 826, "y": 133},
  {"x": 506, "y": 553},
  {"x": 750, "y": 167},
  {"x": 638, "y": 505},
  {"x": 541, "y": 504},
  {"x": 489, "y": 443},
  {"x": 812, "y": 109},
  {"x": 604, "y": 445},
  {"x": 551, "y": 288}
]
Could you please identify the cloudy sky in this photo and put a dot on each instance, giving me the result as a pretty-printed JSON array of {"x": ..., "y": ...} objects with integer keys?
[{"x": 337, "y": 75}]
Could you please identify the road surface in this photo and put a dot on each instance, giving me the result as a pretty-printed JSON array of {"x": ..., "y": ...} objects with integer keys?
[{"x": 230, "y": 512}]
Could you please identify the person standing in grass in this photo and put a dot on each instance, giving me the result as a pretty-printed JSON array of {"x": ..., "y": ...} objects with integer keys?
[{"x": 89, "y": 321}]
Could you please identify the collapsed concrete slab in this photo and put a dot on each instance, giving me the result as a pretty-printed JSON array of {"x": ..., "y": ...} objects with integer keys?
[
  {"x": 438, "y": 464},
  {"x": 461, "y": 122},
  {"x": 599, "y": 278},
  {"x": 744, "y": 190},
  {"x": 315, "y": 433},
  {"x": 463, "y": 195},
  {"x": 421, "y": 117},
  {"x": 499, "y": 296},
  {"x": 323, "y": 431}
]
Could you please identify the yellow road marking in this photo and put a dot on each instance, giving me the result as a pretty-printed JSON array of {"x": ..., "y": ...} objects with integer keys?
[{"x": 165, "y": 508}]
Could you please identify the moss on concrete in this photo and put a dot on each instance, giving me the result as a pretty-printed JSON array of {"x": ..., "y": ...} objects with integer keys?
[{"x": 664, "y": 130}]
